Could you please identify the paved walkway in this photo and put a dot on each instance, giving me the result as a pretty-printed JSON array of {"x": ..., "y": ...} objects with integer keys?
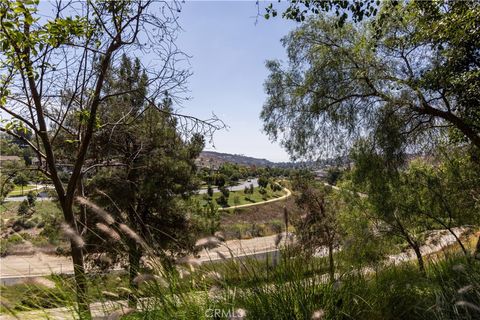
[{"x": 14, "y": 268}]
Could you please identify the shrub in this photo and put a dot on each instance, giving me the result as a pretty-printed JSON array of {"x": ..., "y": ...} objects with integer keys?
[
  {"x": 23, "y": 208},
  {"x": 31, "y": 198}
]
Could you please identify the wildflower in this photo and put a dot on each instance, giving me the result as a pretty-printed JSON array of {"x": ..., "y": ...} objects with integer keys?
[
  {"x": 317, "y": 315},
  {"x": 97, "y": 210},
  {"x": 108, "y": 231},
  {"x": 73, "y": 235}
]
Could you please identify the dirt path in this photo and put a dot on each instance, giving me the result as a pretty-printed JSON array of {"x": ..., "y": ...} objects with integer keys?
[{"x": 288, "y": 194}]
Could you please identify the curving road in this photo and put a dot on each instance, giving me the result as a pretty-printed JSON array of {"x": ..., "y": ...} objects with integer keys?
[{"x": 238, "y": 187}]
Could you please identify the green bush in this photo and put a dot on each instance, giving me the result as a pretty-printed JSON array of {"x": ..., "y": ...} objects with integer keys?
[{"x": 23, "y": 208}]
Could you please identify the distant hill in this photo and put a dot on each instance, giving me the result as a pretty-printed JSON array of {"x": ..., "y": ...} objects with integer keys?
[{"x": 214, "y": 159}]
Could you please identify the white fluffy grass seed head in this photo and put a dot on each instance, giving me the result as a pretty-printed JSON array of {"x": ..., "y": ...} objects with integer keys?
[
  {"x": 130, "y": 233},
  {"x": 96, "y": 209},
  {"x": 318, "y": 314},
  {"x": 110, "y": 294},
  {"x": 208, "y": 242},
  {"x": 40, "y": 281},
  {"x": 144, "y": 277},
  {"x": 239, "y": 314},
  {"x": 108, "y": 231},
  {"x": 220, "y": 236},
  {"x": 72, "y": 235},
  {"x": 214, "y": 275}
]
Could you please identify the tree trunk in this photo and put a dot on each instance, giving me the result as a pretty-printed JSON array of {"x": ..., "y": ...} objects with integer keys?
[
  {"x": 81, "y": 282},
  {"x": 134, "y": 255},
  {"x": 459, "y": 241},
  {"x": 78, "y": 266},
  {"x": 421, "y": 265},
  {"x": 331, "y": 263}
]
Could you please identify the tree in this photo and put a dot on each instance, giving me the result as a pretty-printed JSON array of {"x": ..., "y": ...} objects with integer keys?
[
  {"x": 55, "y": 70},
  {"x": 333, "y": 175},
  {"x": 409, "y": 63},
  {"x": 263, "y": 181},
  {"x": 31, "y": 198},
  {"x": 319, "y": 226},
  {"x": 220, "y": 180},
  {"x": 21, "y": 180},
  {"x": 156, "y": 174},
  {"x": 209, "y": 218},
  {"x": 446, "y": 193},
  {"x": 23, "y": 208},
  {"x": 377, "y": 173},
  {"x": 210, "y": 191},
  {"x": 298, "y": 10}
]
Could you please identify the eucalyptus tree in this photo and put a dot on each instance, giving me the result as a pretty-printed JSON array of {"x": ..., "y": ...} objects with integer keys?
[{"x": 55, "y": 61}]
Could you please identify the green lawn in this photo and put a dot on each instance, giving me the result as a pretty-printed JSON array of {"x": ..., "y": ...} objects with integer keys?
[
  {"x": 17, "y": 190},
  {"x": 239, "y": 197}
]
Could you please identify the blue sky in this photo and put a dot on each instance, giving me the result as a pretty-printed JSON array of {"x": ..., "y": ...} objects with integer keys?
[{"x": 228, "y": 61}]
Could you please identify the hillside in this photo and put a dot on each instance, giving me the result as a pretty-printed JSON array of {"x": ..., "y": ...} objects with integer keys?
[{"x": 215, "y": 159}]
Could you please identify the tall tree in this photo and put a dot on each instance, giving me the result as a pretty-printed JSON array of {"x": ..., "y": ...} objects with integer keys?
[
  {"x": 157, "y": 172},
  {"x": 318, "y": 227},
  {"x": 378, "y": 174},
  {"x": 54, "y": 70},
  {"x": 419, "y": 61}
]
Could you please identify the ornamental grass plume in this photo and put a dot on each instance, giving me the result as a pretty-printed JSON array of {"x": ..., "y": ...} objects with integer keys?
[
  {"x": 143, "y": 277},
  {"x": 104, "y": 215},
  {"x": 318, "y": 314},
  {"x": 239, "y": 314},
  {"x": 112, "y": 234},
  {"x": 72, "y": 235},
  {"x": 207, "y": 243},
  {"x": 40, "y": 281},
  {"x": 130, "y": 233}
]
